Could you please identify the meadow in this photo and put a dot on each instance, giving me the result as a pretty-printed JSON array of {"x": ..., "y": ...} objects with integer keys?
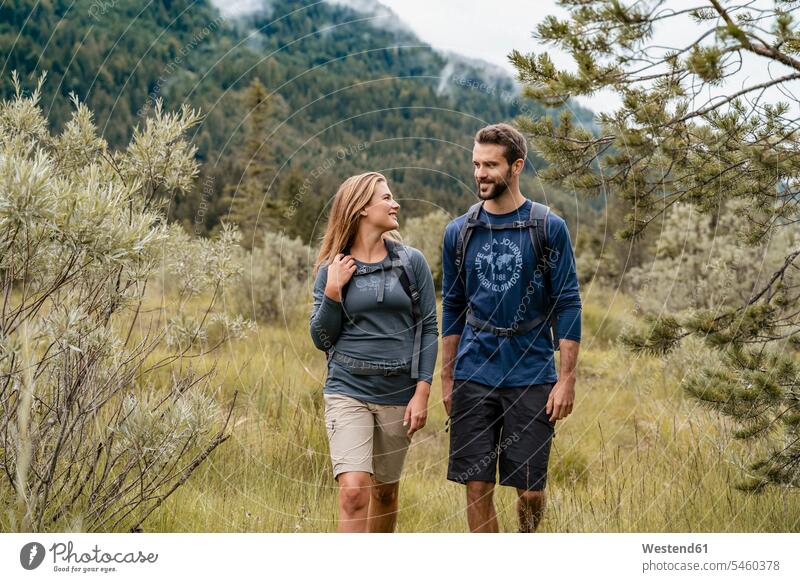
[{"x": 636, "y": 455}]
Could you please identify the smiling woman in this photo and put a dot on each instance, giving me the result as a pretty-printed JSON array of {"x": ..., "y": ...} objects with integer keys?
[{"x": 381, "y": 344}]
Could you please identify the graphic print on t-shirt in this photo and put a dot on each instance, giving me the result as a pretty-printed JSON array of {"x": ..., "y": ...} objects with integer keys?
[
  {"x": 373, "y": 281},
  {"x": 499, "y": 264}
]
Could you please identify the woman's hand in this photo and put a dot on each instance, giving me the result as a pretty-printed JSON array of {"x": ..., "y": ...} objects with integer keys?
[
  {"x": 340, "y": 271},
  {"x": 417, "y": 410}
]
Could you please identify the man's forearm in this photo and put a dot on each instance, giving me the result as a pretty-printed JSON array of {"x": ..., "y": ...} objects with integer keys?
[
  {"x": 449, "y": 351},
  {"x": 569, "y": 358}
]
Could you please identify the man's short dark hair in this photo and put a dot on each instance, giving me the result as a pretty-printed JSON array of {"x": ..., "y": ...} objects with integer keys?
[{"x": 508, "y": 137}]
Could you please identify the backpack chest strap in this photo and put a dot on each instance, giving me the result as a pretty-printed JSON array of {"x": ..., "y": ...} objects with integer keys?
[{"x": 517, "y": 224}]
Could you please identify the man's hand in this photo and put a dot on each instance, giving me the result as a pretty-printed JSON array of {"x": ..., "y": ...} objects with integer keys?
[
  {"x": 562, "y": 398},
  {"x": 447, "y": 393},
  {"x": 417, "y": 410}
]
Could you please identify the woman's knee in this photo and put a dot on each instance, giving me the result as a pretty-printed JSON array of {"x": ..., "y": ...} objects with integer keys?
[
  {"x": 385, "y": 493},
  {"x": 354, "y": 492}
]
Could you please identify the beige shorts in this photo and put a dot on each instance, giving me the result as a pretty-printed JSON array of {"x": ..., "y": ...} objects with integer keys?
[{"x": 366, "y": 437}]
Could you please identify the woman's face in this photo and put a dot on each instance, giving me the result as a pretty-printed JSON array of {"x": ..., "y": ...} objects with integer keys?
[{"x": 381, "y": 212}]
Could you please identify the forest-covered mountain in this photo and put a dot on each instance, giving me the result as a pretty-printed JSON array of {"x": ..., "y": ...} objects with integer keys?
[{"x": 348, "y": 91}]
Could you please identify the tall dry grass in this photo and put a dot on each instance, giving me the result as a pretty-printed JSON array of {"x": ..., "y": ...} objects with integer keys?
[{"x": 636, "y": 454}]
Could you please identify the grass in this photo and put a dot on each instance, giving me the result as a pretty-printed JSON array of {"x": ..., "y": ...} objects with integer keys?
[{"x": 636, "y": 454}]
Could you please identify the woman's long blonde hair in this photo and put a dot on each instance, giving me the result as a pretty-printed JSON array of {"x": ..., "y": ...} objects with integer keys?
[{"x": 351, "y": 198}]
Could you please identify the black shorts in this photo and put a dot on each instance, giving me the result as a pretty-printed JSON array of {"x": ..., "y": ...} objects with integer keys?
[{"x": 510, "y": 424}]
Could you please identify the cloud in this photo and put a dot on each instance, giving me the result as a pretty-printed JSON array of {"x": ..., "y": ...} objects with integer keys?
[{"x": 237, "y": 8}]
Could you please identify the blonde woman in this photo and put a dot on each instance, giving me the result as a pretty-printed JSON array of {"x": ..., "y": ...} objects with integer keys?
[{"x": 374, "y": 315}]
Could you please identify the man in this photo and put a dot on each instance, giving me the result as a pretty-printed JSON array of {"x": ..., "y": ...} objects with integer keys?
[{"x": 499, "y": 382}]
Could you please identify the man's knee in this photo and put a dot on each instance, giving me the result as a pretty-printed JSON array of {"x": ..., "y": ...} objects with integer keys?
[
  {"x": 479, "y": 492},
  {"x": 385, "y": 493},
  {"x": 532, "y": 498}
]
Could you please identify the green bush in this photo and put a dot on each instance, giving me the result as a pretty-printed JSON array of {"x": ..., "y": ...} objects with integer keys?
[
  {"x": 275, "y": 281},
  {"x": 425, "y": 233},
  {"x": 90, "y": 438}
]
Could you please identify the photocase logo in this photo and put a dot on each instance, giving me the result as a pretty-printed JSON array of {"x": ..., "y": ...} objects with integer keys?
[{"x": 31, "y": 555}]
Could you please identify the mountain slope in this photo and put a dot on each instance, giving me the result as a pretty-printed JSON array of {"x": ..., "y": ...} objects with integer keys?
[{"x": 351, "y": 91}]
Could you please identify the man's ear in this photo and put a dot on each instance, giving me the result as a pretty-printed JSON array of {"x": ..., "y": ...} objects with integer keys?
[{"x": 517, "y": 166}]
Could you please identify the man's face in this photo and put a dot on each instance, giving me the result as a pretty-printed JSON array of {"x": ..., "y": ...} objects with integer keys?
[{"x": 492, "y": 172}]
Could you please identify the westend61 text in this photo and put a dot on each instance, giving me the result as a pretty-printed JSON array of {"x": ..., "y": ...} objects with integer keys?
[{"x": 670, "y": 549}]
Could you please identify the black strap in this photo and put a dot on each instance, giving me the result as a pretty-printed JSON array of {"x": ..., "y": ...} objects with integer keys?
[
  {"x": 472, "y": 223},
  {"x": 464, "y": 235},
  {"x": 516, "y": 329},
  {"x": 409, "y": 281},
  {"x": 541, "y": 246}
]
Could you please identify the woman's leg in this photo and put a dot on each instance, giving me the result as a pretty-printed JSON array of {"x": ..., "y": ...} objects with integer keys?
[
  {"x": 350, "y": 427},
  {"x": 354, "y": 501},
  {"x": 391, "y": 443},
  {"x": 383, "y": 507}
]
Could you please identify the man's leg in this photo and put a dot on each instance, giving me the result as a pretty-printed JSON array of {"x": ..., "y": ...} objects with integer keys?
[
  {"x": 481, "y": 516},
  {"x": 525, "y": 450},
  {"x": 383, "y": 507},
  {"x": 476, "y": 415},
  {"x": 530, "y": 509},
  {"x": 354, "y": 493}
]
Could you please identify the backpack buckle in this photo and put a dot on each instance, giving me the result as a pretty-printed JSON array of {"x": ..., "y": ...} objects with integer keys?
[
  {"x": 519, "y": 224},
  {"x": 503, "y": 331},
  {"x": 414, "y": 292}
]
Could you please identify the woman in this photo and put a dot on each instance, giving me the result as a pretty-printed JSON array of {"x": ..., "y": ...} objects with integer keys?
[{"x": 374, "y": 315}]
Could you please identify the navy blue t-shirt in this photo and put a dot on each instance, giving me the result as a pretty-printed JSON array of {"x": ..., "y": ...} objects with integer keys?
[{"x": 504, "y": 287}]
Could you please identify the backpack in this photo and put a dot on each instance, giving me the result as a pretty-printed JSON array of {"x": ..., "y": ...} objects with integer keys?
[
  {"x": 398, "y": 255},
  {"x": 537, "y": 228}
]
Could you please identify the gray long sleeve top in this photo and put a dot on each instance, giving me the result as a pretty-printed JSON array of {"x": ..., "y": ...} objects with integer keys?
[{"x": 366, "y": 328}]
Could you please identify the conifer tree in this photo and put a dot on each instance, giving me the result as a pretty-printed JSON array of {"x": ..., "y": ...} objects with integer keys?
[
  {"x": 669, "y": 143},
  {"x": 251, "y": 202}
]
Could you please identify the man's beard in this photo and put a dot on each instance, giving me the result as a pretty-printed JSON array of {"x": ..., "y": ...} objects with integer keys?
[{"x": 498, "y": 188}]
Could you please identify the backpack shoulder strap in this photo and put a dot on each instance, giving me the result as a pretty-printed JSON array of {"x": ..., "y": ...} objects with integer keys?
[
  {"x": 400, "y": 258},
  {"x": 539, "y": 238},
  {"x": 345, "y": 251},
  {"x": 464, "y": 235},
  {"x": 538, "y": 231},
  {"x": 408, "y": 279}
]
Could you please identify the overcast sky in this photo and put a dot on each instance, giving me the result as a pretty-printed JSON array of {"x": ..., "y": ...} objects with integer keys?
[
  {"x": 476, "y": 28},
  {"x": 490, "y": 30}
]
